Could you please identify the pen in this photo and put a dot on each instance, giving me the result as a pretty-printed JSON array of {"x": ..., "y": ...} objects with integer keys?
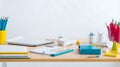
[
  {"x": 92, "y": 56},
  {"x": 4, "y": 24},
  {"x": 1, "y": 23},
  {"x": 62, "y": 52}
]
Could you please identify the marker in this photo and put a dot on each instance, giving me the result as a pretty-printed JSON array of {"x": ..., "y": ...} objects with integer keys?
[
  {"x": 62, "y": 52},
  {"x": 4, "y": 24},
  {"x": 1, "y": 23},
  {"x": 93, "y": 57}
]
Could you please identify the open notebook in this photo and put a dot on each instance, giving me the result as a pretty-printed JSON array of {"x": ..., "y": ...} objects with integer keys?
[
  {"x": 51, "y": 50},
  {"x": 46, "y": 50},
  {"x": 27, "y": 41}
]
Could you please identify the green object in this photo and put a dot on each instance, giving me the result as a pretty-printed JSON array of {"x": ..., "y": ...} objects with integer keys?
[
  {"x": 118, "y": 23},
  {"x": 114, "y": 47}
]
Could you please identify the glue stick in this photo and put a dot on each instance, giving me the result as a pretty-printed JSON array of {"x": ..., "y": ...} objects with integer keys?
[
  {"x": 92, "y": 38},
  {"x": 99, "y": 37}
]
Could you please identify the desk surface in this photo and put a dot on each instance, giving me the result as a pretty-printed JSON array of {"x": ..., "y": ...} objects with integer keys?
[{"x": 70, "y": 57}]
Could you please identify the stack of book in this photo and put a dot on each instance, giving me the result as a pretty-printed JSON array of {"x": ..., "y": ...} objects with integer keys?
[{"x": 9, "y": 51}]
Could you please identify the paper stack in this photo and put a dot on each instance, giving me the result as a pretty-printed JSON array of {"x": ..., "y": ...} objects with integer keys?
[{"x": 9, "y": 51}]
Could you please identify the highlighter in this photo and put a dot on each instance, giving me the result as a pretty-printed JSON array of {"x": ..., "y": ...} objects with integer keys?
[{"x": 62, "y": 52}]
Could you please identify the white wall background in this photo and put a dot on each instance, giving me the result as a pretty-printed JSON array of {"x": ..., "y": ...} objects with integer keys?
[
  {"x": 52, "y": 18},
  {"x": 1, "y": 9}
]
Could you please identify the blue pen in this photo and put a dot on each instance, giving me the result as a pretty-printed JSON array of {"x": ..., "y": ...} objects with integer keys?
[
  {"x": 4, "y": 24},
  {"x": 62, "y": 52},
  {"x": 1, "y": 23}
]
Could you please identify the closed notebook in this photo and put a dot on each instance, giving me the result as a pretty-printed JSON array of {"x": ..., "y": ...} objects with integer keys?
[
  {"x": 27, "y": 41},
  {"x": 9, "y": 49},
  {"x": 14, "y": 57}
]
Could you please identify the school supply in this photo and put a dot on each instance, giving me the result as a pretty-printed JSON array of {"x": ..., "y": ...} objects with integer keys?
[
  {"x": 104, "y": 49},
  {"x": 115, "y": 47},
  {"x": 65, "y": 42},
  {"x": 28, "y": 41},
  {"x": 52, "y": 51},
  {"x": 3, "y": 33},
  {"x": 100, "y": 38},
  {"x": 9, "y": 51},
  {"x": 114, "y": 52},
  {"x": 3, "y": 37},
  {"x": 97, "y": 40},
  {"x": 113, "y": 31},
  {"x": 3, "y": 23},
  {"x": 111, "y": 54},
  {"x": 92, "y": 38},
  {"x": 62, "y": 52},
  {"x": 101, "y": 44},
  {"x": 14, "y": 57},
  {"x": 88, "y": 49},
  {"x": 46, "y": 50},
  {"x": 93, "y": 56}
]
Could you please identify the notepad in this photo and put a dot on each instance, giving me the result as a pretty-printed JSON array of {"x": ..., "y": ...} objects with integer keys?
[
  {"x": 46, "y": 50},
  {"x": 27, "y": 41},
  {"x": 9, "y": 49},
  {"x": 14, "y": 57},
  {"x": 52, "y": 51}
]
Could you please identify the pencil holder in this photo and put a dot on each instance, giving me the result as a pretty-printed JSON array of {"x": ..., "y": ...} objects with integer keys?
[{"x": 3, "y": 35}]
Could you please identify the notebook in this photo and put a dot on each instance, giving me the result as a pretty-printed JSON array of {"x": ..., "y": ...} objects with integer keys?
[
  {"x": 46, "y": 50},
  {"x": 27, "y": 41},
  {"x": 9, "y": 51},
  {"x": 14, "y": 57},
  {"x": 52, "y": 51}
]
